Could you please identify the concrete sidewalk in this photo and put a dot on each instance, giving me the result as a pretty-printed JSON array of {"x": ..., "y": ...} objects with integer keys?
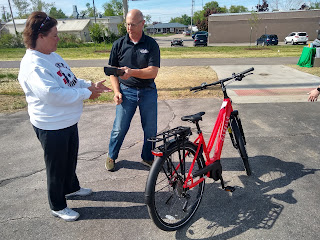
[
  {"x": 280, "y": 200},
  {"x": 275, "y": 83}
]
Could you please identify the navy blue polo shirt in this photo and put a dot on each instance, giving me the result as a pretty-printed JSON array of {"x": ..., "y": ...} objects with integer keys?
[{"x": 136, "y": 56}]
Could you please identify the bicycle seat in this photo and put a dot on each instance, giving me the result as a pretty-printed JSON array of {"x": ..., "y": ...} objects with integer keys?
[{"x": 193, "y": 118}]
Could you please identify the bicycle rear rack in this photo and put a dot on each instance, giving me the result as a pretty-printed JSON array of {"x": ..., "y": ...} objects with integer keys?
[{"x": 169, "y": 136}]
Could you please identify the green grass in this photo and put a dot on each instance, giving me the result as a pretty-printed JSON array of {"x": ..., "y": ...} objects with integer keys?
[{"x": 101, "y": 51}]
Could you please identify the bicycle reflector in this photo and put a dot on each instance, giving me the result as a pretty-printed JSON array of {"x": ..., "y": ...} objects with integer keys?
[{"x": 157, "y": 153}]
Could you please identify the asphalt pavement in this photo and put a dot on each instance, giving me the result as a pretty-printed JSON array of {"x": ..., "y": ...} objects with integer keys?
[{"x": 279, "y": 201}]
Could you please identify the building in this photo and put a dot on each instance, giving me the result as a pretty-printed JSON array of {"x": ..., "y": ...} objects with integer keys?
[
  {"x": 247, "y": 27},
  {"x": 20, "y": 25},
  {"x": 166, "y": 28},
  {"x": 77, "y": 27}
]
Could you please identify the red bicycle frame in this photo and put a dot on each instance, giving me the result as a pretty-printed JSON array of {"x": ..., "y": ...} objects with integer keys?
[{"x": 218, "y": 135}]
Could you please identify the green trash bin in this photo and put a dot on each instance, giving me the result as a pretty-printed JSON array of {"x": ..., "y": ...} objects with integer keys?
[{"x": 307, "y": 57}]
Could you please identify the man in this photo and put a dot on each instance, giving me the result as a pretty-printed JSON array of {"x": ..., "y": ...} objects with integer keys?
[
  {"x": 314, "y": 94},
  {"x": 139, "y": 56}
]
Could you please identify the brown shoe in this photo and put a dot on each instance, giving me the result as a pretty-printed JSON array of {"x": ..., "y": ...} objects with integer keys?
[
  {"x": 147, "y": 163},
  {"x": 110, "y": 164}
]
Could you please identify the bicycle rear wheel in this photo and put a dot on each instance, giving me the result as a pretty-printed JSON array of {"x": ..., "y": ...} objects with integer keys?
[
  {"x": 170, "y": 205},
  {"x": 240, "y": 145}
]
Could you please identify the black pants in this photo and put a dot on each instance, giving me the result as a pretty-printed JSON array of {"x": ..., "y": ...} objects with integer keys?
[{"x": 60, "y": 156}]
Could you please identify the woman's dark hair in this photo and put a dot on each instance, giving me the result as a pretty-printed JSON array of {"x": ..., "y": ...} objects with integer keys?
[{"x": 37, "y": 22}]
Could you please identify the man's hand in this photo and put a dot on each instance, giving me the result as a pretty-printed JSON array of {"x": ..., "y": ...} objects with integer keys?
[
  {"x": 313, "y": 95},
  {"x": 117, "y": 98},
  {"x": 127, "y": 73}
]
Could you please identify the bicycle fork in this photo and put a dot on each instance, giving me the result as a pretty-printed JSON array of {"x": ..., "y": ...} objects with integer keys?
[{"x": 235, "y": 117}]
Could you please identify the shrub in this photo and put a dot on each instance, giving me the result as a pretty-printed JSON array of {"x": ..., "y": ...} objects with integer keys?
[
  {"x": 69, "y": 40},
  {"x": 96, "y": 32},
  {"x": 9, "y": 40}
]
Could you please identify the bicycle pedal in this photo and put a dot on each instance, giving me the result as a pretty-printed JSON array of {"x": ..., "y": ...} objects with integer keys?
[{"x": 229, "y": 189}]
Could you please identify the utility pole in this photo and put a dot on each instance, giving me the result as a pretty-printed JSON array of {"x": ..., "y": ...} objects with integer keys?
[
  {"x": 4, "y": 13},
  {"x": 94, "y": 12},
  {"x": 125, "y": 9},
  {"x": 14, "y": 24},
  {"x": 192, "y": 4}
]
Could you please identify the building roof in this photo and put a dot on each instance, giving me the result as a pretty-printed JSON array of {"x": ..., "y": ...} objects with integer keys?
[
  {"x": 168, "y": 25},
  {"x": 17, "y": 21},
  {"x": 72, "y": 25}
]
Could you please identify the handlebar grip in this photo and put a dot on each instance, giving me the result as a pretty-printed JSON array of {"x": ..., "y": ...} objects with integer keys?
[{"x": 246, "y": 71}]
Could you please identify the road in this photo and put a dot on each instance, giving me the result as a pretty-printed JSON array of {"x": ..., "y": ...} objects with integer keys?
[{"x": 178, "y": 62}]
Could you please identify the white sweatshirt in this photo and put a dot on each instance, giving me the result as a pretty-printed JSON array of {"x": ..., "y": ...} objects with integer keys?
[{"x": 53, "y": 93}]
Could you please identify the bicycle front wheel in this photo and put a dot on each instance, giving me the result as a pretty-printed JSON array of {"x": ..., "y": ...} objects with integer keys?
[
  {"x": 240, "y": 145},
  {"x": 170, "y": 205}
]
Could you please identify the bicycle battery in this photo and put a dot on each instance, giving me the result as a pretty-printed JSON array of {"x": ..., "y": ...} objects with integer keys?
[
  {"x": 113, "y": 71},
  {"x": 216, "y": 172}
]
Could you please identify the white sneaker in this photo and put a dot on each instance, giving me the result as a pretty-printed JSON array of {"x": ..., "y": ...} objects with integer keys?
[
  {"x": 81, "y": 192},
  {"x": 66, "y": 214}
]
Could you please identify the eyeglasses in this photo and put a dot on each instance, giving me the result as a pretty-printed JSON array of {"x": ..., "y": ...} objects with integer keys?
[
  {"x": 44, "y": 22},
  {"x": 133, "y": 25}
]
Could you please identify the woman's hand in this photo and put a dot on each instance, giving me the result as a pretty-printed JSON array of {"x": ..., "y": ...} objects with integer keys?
[{"x": 98, "y": 88}]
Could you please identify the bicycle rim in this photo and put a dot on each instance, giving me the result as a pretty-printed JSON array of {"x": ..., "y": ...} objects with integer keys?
[
  {"x": 170, "y": 206},
  {"x": 241, "y": 147}
]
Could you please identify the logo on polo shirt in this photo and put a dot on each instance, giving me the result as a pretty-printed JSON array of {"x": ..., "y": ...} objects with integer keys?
[{"x": 144, "y": 51}]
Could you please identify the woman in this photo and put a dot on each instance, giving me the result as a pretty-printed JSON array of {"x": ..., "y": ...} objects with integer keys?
[{"x": 55, "y": 101}]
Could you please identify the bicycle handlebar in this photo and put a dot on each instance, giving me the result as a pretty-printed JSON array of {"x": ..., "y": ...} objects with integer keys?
[{"x": 237, "y": 77}]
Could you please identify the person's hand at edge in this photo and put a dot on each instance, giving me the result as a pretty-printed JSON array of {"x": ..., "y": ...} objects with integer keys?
[{"x": 313, "y": 95}]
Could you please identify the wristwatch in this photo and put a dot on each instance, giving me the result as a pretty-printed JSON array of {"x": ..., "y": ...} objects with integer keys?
[{"x": 318, "y": 89}]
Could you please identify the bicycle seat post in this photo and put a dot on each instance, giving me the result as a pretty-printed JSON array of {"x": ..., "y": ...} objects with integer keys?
[{"x": 198, "y": 127}]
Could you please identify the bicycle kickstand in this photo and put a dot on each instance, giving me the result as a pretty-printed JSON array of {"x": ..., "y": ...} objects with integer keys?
[{"x": 226, "y": 188}]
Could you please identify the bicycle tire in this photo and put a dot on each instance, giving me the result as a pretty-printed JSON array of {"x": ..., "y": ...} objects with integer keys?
[
  {"x": 169, "y": 206},
  {"x": 240, "y": 145}
]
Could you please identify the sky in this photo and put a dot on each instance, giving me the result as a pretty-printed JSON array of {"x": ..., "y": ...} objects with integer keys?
[{"x": 159, "y": 10}]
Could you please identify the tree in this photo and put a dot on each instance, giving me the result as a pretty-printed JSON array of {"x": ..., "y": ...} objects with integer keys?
[
  {"x": 147, "y": 18},
  {"x": 113, "y": 8},
  {"x": 237, "y": 9},
  {"x": 39, "y": 5},
  {"x": 315, "y": 5},
  {"x": 89, "y": 12},
  {"x": 96, "y": 32},
  {"x": 22, "y": 7},
  {"x": 6, "y": 17},
  {"x": 57, "y": 13},
  {"x": 184, "y": 19},
  {"x": 209, "y": 8},
  {"x": 254, "y": 22}
]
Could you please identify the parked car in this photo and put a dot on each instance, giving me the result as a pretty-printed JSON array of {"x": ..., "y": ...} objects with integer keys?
[
  {"x": 200, "y": 32},
  {"x": 177, "y": 41},
  {"x": 186, "y": 33},
  {"x": 200, "y": 39},
  {"x": 296, "y": 37},
  {"x": 267, "y": 39}
]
